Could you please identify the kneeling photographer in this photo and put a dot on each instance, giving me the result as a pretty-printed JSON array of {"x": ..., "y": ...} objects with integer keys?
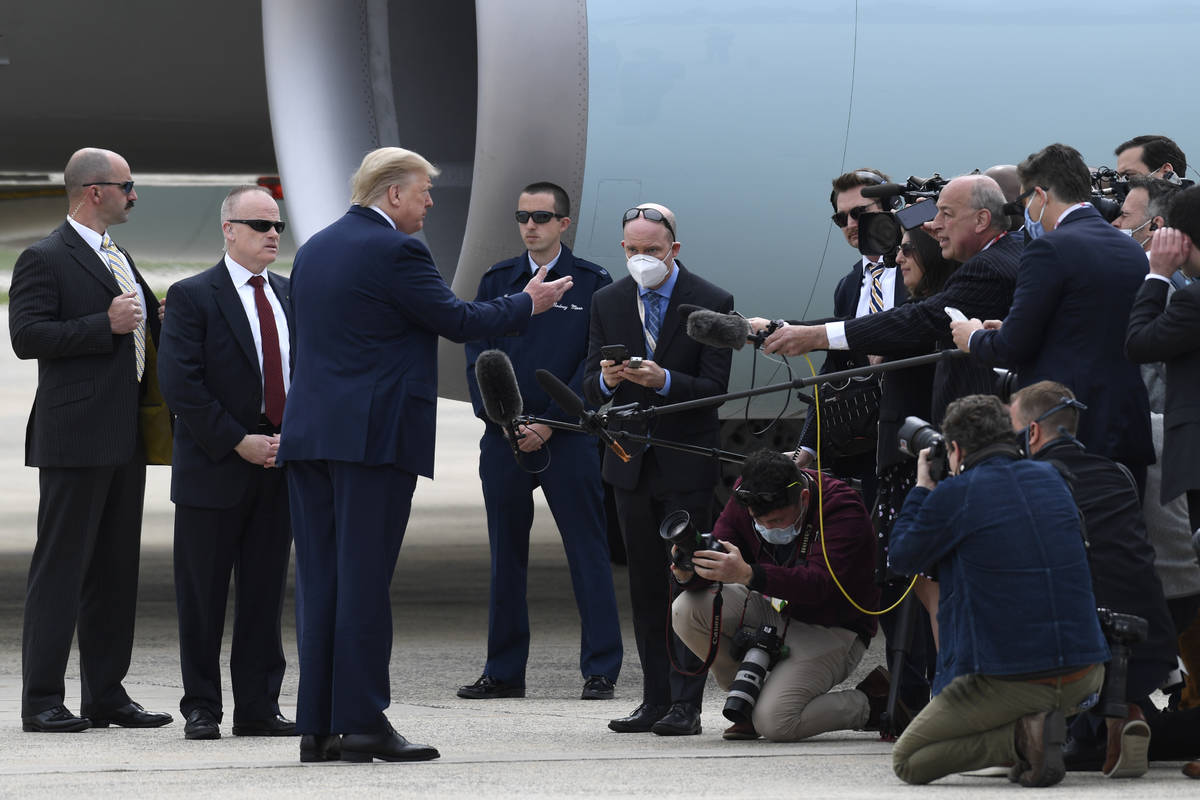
[{"x": 787, "y": 635}]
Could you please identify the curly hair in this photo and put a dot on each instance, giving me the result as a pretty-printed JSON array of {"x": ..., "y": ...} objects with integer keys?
[{"x": 976, "y": 421}]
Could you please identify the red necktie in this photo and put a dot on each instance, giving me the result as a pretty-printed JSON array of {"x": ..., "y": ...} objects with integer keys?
[{"x": 272, "y": 367}]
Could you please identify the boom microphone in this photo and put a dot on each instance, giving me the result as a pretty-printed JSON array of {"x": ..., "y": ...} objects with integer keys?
[
  {"x": 499, "y": 391},
  {"x": 724, "y": 331},
  {"x": 884, "y": 190},
  {"x": 572, "y": 403},
  {"x": 687, "y": 309}
]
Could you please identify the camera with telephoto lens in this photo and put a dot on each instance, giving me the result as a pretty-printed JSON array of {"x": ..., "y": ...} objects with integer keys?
[
  {"x": 1121, "y": 631},
  {"x": 915, "y": 435},
  {"x": 677, "y": 528},
  {"x": 760, "y": 650}
]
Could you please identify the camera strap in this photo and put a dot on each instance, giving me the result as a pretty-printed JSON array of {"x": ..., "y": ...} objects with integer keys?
[{"x": 714, "y": 635}]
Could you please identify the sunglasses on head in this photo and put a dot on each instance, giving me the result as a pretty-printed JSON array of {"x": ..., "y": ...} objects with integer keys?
[
  {"x": 652, "y": 214},
  {"x": 126, "y": 186},
  {"x": 540, "y": 217},
  {"x": 842, "y": 218},
  {"x": 262, "y": 225},
  {"x": 765, "y": 501}
]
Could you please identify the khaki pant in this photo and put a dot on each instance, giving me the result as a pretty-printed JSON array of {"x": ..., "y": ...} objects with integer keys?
[
  {"x": 795, "y": 702},
  {"x": 969, "y": 724}
]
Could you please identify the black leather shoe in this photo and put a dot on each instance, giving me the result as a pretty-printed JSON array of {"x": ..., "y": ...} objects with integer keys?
[
  {"x": 682, "y": 720},
  {"x": 640, "y": 721},
  {"x": 320, "y": 748},
  {"x": 597, "y": 687},
  {"x": 201, "y": 724},
  {"x": 277, "y": 725},
  {"x": 488, "y": 688},
  {"x": 55, "y": 720},
  {"x": 131, "y": 715},
  {"x": 387, "y": 746}
]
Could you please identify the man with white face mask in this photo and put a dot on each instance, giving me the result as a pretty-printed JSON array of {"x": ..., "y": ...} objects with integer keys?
[
  {"x": 772, "y": 552},
  {"x": 641, "y": 313}
]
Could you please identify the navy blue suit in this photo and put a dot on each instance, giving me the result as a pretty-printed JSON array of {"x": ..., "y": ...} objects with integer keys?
[
  {"x": 230, "y": 515},
  {"x": 368, "y": 305},
  {"x": 556, "y": 341},
  {"x": 1071, "y": 305}
]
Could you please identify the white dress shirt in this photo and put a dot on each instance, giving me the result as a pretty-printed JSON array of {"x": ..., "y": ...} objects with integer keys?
[{"x": 241, "y": 281}]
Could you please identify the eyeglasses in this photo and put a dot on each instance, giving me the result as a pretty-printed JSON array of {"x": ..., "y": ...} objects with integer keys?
[
  {"x": 540, "y": 217},
  {"x": 652, "y": 214},
  {"x": 908, "y": 248},
  {"x": 842, "y": 219},
  {"x": 763, "y": 500},
  {"x": 262, "y": 225},
  {"x": 126, "y": 186}
]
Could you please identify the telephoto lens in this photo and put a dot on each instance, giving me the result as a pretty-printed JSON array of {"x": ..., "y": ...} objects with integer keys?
[{"x": 764, "y": 650}]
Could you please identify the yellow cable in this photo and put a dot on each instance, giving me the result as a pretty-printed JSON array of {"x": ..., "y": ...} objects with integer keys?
[{"x": 821, "y": 515}]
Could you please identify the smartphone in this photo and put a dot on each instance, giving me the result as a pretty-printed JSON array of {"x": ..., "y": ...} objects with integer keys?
[
  {"x": 614, "y": 352},
  {"x": 634, "y": 363},
  {"x": 917, "y": 214},
  {"x": 954, "y": 314}
]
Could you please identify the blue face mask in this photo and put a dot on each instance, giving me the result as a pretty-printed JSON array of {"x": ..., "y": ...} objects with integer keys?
[
  {"x": 777, "y": 535},
  {"x": 1034, "y": 227}
]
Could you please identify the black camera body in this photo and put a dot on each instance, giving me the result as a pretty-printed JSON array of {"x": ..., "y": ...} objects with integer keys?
[
  {"x": 1121, "y": 631},
  {"x": 677, "y": 528},
  {"x": 759, "y": 650},
  {"x": 881, "y": 232},
  {"x": 915, "y": 435},
  {"x": 1108, "y": 192}
]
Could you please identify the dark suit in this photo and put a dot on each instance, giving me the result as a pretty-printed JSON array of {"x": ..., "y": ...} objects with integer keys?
[
  {"x": 982, "y": 287},
  {"x": 1170, "y": 332},
  {"x": 229, "y": 514},
  {"x": 83, "y": 435},
  {"x": 368, "y": 305},
  {"x": 658, "y": 480},
  {"x": 1067, "y": 324}
]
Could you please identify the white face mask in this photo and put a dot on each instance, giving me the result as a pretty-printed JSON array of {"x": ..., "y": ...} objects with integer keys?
[
  {"x": 647, "y": 270},
  {"x": 777, "y": 535}
]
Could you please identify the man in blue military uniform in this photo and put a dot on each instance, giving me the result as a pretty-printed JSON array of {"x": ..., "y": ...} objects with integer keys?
[{"x": 565, "y": 464}]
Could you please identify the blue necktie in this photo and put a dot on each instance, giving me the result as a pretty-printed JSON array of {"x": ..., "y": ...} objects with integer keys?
[{"x": 653, "y": 305}]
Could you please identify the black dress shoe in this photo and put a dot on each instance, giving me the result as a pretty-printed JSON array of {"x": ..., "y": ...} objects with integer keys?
[
  {"x": 130, "y": 715},
  {"x": 387, "y": 746},
  {"x": 640, "y": 721},
  {"x": 682, "y": 720},
  {"x": 55, "y": 720},
  {"x": 597, "y": 687},
  {"x": 201, "y": 724},
  {"x": 320, "y": 748},
  {"x": 276, "y": 725},
  {"x": 488, "y": 688}
]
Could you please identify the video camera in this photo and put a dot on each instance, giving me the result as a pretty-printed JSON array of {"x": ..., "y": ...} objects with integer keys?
[
  {"x": 881, "y": 231},
  {"x": 1108, "y": 192},
  {"x": 677, "y": 528},
  {"x": 915, "y": 435}
]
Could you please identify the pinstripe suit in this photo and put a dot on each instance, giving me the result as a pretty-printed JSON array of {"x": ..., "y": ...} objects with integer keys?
[
  {"x": 982, "y": 287},
  {"x": 83, "y": 436}
]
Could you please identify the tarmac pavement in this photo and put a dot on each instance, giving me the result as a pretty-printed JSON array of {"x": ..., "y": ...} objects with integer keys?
[{"x": 550, "y": 744}]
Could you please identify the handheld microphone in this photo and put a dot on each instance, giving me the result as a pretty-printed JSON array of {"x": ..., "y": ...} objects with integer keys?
[
  {"x": 723, "y": 331},
  {"x": 499, "y": 391},
  {"x": 884, "y": 190},
  {"x": 573, "y": 404}
]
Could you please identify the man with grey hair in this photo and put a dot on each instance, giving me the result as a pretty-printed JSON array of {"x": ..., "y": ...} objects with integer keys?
[
  {"x": 369, "y": 305},
  {"x": 225, "y": 365},
  {"x": 78, "y": 305},
  {"x": 1144, "y": 210}
]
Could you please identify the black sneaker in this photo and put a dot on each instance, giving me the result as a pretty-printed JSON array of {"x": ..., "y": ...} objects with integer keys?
[
  {"x": 597, "y": 687},
  {"x": 488, "y": 688}
]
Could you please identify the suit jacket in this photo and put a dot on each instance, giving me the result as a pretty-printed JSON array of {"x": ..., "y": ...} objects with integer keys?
[
  {"x": 369, "y": 306},
  {"x": 696, "y": 371},
  {"x": 982, "y": 287},
  {"x": 1074, "y": 292},
  {"x": 209, "y": 373},
  {"x": 1170, "y": 332},
  {"x": 845, "y": 305},
  {"x": 85, "y": 413}
]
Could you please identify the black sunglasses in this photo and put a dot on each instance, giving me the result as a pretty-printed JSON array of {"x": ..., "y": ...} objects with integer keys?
[
  {"x": 540, "y": 217},
  {"x": 262, "y": 225},
  {"x": 842, "y": 218},
  {"x": 908, "y": 248},
  {"x": 764, "y": 501},
  {"x": 652, "y": 214},
  {"x": 126, "y": 186}
]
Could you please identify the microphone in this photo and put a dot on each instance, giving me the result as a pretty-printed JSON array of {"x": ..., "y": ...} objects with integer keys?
[
  {"x": 573, "y": 404},
  {"x": 884, "y": 190},
  {"x": 723, "y": 331},
  {"x": 687, "y": 309},
  {"x": 501, "y": 396}
]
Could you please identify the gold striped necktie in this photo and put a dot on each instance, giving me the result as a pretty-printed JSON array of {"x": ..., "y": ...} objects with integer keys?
[
  {"x": 876, "y": 288},
  {"x": 124, "y": 278}
]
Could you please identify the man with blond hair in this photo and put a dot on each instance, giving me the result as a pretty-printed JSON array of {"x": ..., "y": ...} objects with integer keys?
[{"x": 369, "y": 305}]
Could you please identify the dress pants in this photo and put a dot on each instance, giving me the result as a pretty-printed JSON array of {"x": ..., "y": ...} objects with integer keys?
[
  {"x": 84, "y": 570},
  {"x": 571, "y": 484},
  {"x": 348, "y": 522},
  {"x": 252, "y": 540},
  {"x": 640, "y": 512}
]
